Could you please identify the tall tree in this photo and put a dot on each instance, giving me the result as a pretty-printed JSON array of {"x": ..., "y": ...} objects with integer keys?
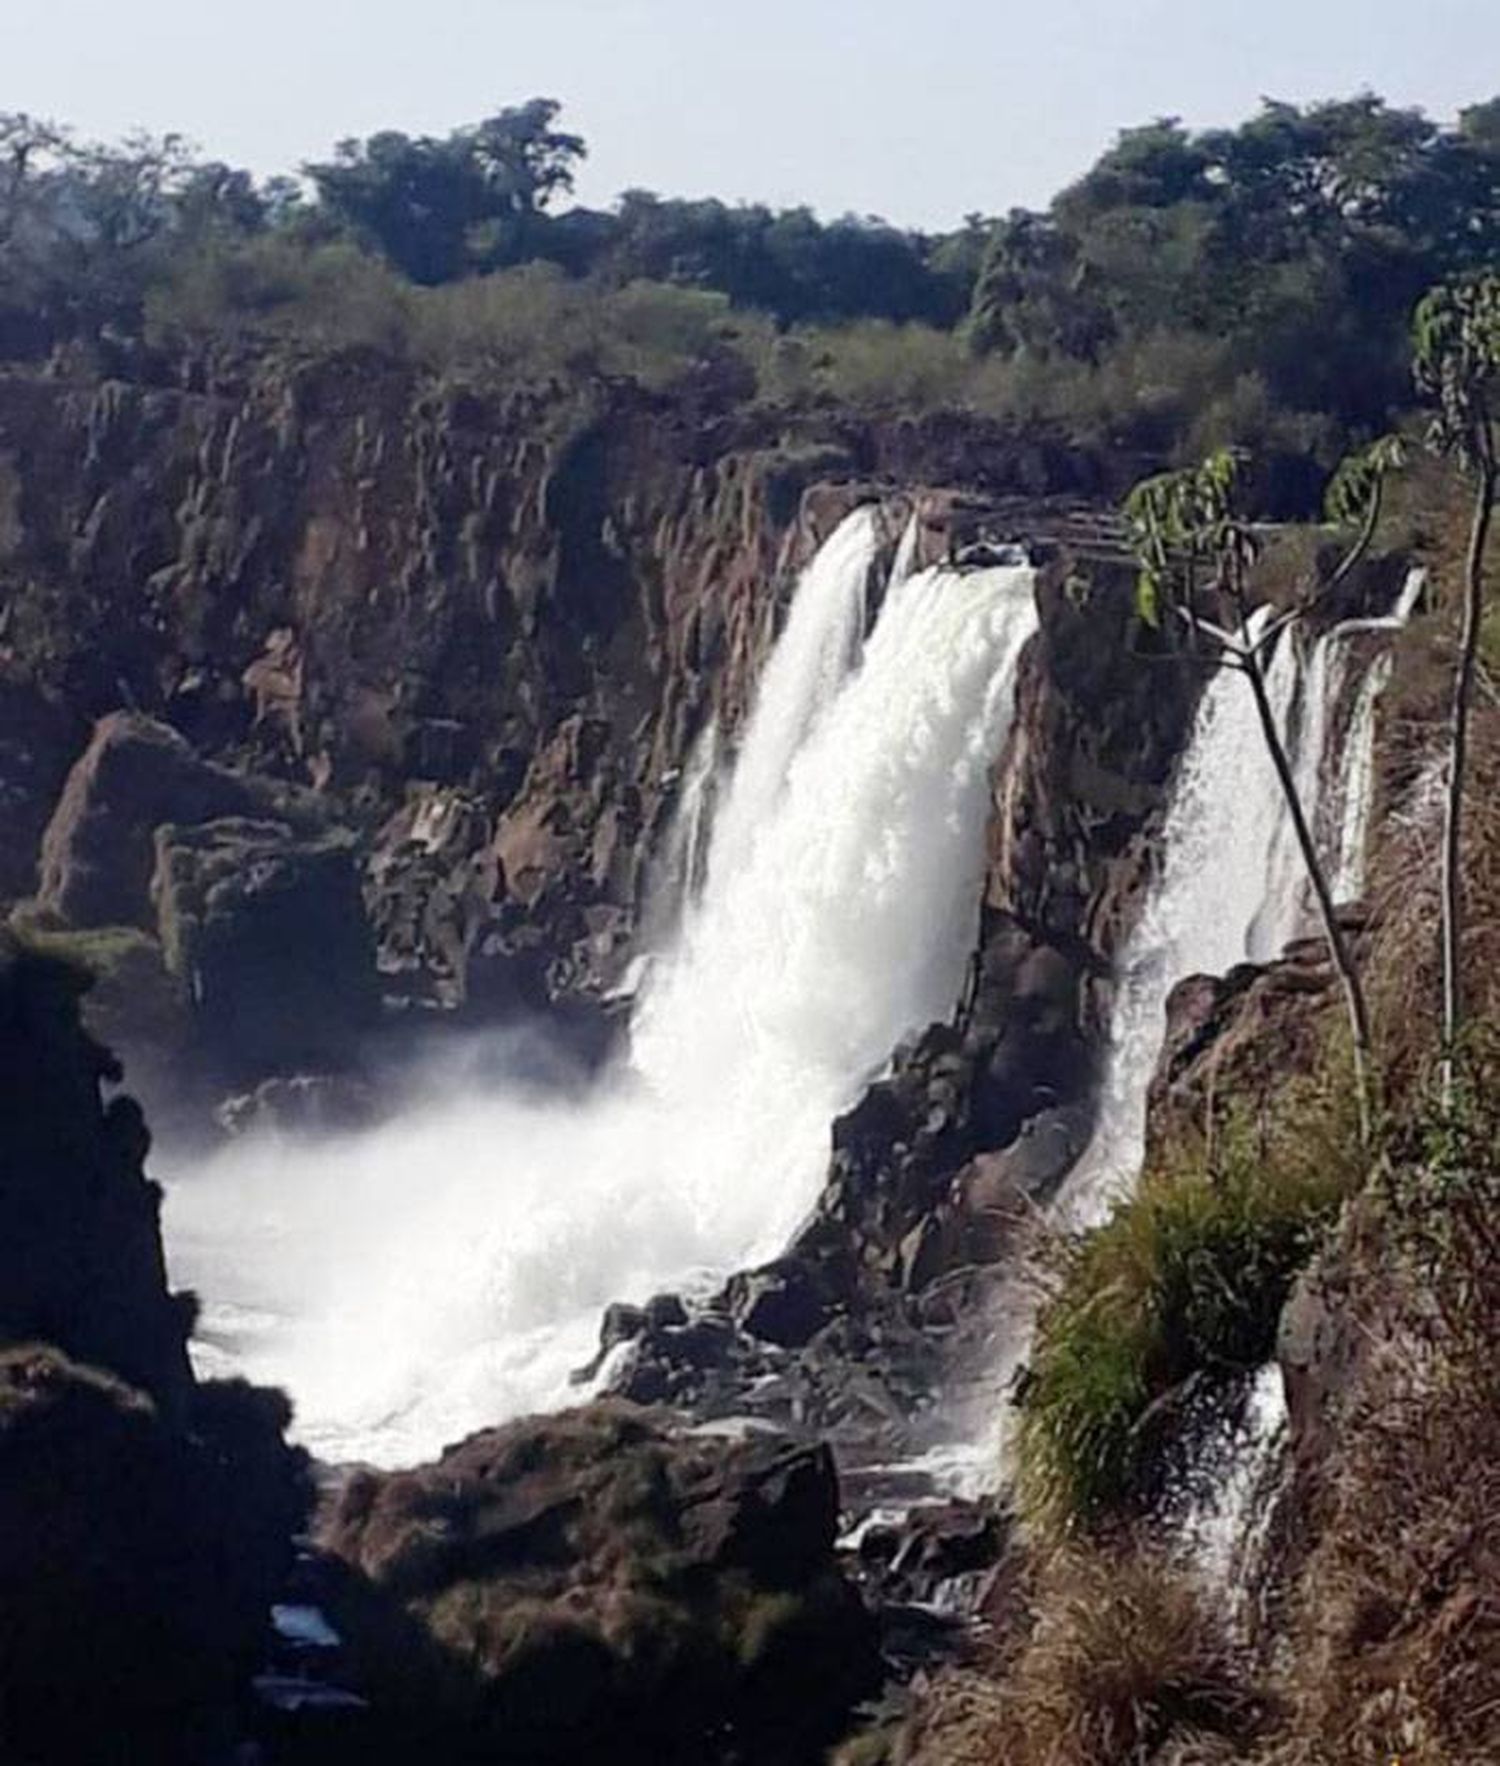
[
  {"x": 440, "y": 208},
  {"x": 1456, "y": 338}
]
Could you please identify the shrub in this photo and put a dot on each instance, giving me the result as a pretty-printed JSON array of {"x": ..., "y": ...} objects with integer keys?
[{"x": 1177, "y": 1294}]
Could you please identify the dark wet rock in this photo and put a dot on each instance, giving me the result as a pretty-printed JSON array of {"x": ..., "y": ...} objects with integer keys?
[
  {"x": 597, "y": 1585},
  {"x": 80, "y": 1248},
  {"x": 664, "y": 1312},
  {"x": 920, "y": 1555},
  {"x": 267, "y": 934},
  {"x": 145, "y": 1520},
  {"x": 783, "y": 1303}
]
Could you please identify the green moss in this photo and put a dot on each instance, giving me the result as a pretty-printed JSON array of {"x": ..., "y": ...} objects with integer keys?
[{"x": 1182, "y": 1285}]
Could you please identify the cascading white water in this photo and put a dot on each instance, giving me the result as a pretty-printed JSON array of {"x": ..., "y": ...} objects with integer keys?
[
  {"x": 448, "y": 1270},
  {"x": 1224, "y": 1530},
  {"x": 1221, "y": 897},
  {"x": 1358, "y": 786}
]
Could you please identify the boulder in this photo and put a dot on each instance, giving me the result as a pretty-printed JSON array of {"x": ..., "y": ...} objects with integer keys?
[
  {"x": 783, "y": 1303},
  {"x": 599, "y": 1586},
  {"x": 135, "y": 774},
  {"x": 267, "y": 934}
]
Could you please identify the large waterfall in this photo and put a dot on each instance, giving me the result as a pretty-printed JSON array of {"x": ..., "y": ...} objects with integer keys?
[{"x": 447, "y": 1270}]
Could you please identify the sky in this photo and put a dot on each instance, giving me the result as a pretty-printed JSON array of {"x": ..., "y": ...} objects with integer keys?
[{"x": 920, "y": 111}]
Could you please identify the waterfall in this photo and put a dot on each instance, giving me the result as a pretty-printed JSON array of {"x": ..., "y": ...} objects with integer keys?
[
  {"x": 1229, "y": 887},
  {"x": 1224, "y": 894},
  {"x": 447, "y": 1270},
  {"x": 1358, "y": 786},
  {"x": 1224, "y": 1529}
]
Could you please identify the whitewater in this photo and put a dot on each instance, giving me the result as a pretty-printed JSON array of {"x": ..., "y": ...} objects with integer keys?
[{"x": 447, "y": 1270}]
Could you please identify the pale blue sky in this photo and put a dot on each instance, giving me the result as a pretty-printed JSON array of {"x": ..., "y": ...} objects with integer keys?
[{"x": 916, "y": 109}]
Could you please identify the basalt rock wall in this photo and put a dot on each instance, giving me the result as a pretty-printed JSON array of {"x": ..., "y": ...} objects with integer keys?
[{"x": 486, "y": 625}]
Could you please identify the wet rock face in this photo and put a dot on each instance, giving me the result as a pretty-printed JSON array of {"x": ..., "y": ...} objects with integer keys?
[{"x": 598, "y": 1585}]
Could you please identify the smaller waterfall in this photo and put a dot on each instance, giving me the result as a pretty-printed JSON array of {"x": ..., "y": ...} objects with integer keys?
[
  {"x": 1358, "y": 785},
  {"x": 1223, "y": 858},
  {"x": 1224, "y": 1530}
]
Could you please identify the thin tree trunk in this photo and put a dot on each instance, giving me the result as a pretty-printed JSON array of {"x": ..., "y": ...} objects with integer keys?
[
  {"x": 1458, "y": 744},
  {"x": 1333, "y": 932}
]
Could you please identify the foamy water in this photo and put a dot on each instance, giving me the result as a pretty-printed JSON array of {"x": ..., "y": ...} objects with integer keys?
[{"x": 413, "y": 1283}]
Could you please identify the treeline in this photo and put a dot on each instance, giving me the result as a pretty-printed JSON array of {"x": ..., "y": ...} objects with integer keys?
[{"x": 1192, "y": 289}]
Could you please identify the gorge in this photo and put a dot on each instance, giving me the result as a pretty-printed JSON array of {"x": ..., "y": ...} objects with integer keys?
[{"x": 744, "y": 1150}]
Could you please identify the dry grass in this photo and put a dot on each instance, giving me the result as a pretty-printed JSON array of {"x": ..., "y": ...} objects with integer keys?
[
  {"x": 1126, "y": 1666},
  {"x": 1394, "y": 1625}
]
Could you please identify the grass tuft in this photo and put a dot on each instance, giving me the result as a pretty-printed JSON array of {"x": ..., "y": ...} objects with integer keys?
[{"x": 1179, "y": 1291}]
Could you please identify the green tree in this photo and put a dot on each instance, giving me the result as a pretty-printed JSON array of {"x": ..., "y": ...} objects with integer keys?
[
  {"x": 1456, "y": 338},
  {"x": 441, "y": 208}
]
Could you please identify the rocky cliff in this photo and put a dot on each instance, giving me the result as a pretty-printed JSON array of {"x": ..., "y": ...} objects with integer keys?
[{"x": 145, "y": 1519}]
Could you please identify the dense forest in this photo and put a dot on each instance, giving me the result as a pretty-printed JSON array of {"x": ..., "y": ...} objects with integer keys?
[{"x": 1250, "y": 285}]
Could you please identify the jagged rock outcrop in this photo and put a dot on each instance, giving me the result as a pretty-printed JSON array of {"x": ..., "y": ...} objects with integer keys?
[
  {"x": 333, "y": 571},
  {"x": 603, "y": 1585},
  {"x": 80, "y": 1246},
  {"x": 145, "y": 1520}
]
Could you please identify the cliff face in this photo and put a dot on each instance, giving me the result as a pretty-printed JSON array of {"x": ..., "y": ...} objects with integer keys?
[
  {"x": 523, "y": 606},
  {"x": 80, "y": 1259}
]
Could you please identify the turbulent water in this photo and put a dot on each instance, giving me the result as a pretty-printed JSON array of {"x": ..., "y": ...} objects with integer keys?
[{"x": 448, "y": 1270}]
